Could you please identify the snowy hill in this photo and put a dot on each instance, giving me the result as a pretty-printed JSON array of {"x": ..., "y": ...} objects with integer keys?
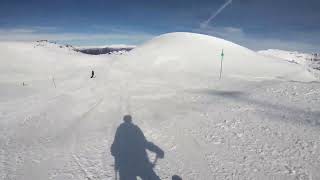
[
  {"x": 295, "y": 57},
  {"x": 310, "y": 61},
  {"x": 200, "y": 54},
  {"x": 54, "y": 45},
  {"x": 260, "y": 121}
]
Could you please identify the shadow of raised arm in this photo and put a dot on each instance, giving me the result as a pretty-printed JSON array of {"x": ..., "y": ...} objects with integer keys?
[{"x": 154, "y": 148}]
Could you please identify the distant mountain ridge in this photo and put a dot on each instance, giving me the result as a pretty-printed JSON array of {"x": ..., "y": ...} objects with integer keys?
[
  {"x": 291, "y": 56},
  {"x": 310, "y": 61},
  {"x": 105, "y": 50},
  {"x": 92, "y": 50}
]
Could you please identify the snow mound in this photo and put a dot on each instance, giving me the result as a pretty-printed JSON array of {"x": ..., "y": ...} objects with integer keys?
[{"x": 186, "y": 54}]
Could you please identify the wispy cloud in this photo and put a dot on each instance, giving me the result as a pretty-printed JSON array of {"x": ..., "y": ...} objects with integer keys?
[
  {"x": 48, "y": 33},
  {"x": 34, "y": 29},
  {"x": 239, "y": 36},
  {"x": 227, "y": 32},
  {"x": 233, "y": 30},
  {"x": 20, "y": 30}
]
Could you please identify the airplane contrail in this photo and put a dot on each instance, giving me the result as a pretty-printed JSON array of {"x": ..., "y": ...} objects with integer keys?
[{"x": 206, "y": 23}]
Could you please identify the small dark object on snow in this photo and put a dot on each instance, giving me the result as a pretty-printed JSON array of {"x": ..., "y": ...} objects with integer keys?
[
  {"x": 92, "y": 74},
  {"x": 176, "y": 177}
]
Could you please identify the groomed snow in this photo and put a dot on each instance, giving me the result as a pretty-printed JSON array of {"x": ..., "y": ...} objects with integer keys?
[{"x": 260, "y": 121}]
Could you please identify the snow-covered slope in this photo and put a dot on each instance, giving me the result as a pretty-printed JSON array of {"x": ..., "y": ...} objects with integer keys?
[
  {"x": 187, "y": 53},
  {"x": 295, "y": 57},
  {"x": 308, "y": 61},
  {"x": 260, "y": 121}
]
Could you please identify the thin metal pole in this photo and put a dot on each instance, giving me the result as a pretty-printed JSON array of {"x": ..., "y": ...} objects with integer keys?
[
  {"x": 222, "y": 54},
  {"x": 54, "y": 83},
  {"x": 115, "y": 174}
]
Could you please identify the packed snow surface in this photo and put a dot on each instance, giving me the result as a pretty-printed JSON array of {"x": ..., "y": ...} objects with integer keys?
[{"x": 260, "y": 121}]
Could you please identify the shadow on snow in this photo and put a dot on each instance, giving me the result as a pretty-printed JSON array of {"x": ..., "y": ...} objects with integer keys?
[
  {"x": 129, "y": 151},
  {"x": 272, "y": 109}
]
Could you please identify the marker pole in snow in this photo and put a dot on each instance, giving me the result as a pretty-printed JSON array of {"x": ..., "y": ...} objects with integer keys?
[
  {"x": 54, "y": 83},
  {"x": 222, "y": 55},
  {"x": 115, "y": 171},
  {"x": 116, "y": 174}
]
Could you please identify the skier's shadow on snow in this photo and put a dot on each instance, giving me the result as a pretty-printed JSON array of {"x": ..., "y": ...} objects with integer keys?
[{"x": 129, "y": 151}]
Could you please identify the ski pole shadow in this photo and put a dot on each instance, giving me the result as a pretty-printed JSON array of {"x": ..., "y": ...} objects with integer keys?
[{"x": 129, "y": 151}]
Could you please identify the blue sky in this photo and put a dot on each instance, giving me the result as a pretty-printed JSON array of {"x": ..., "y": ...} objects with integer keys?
[{"x": 256, "y": 24}]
